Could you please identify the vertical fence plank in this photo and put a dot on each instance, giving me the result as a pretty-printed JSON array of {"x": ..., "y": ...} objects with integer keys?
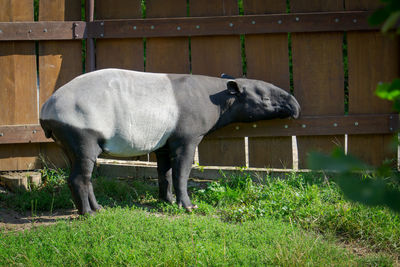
[
  {"x": 372, "y": 58},
  {"x": 59, "y": 62},
  {"x": 166, "y": 55},
  {"x": 18, "y": 86},
  {"x": 119, "y": 53},
  {"x": 267, "y": 58},
  {"x": 213, "y": 56},
  {"x": 318, "y": 75}
]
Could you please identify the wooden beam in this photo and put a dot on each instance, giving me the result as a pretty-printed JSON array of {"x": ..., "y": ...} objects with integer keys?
[
  {"x": 19, "y": 134},
  {"x": 232, "y": 25},
  {"x": 313, "y": 126},
  {"x": 305, "y": 126},
  {"x": 183, "y": 26},
  {"x": 42, "y": 30}
]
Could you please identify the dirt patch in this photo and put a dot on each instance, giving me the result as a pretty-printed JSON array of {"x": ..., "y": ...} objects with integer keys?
[{"x": 12, "y": 221}]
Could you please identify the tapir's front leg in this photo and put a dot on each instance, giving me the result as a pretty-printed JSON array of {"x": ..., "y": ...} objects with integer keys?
[
  {"x": 164, "y": 174},
  {"x": 182, "y": 153}
]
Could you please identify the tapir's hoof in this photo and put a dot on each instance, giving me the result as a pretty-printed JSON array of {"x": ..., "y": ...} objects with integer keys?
[
  {"x": 191, "y": 208},
  {"x": 87, "y": 213},
  {"x": 99, "y": 208}
]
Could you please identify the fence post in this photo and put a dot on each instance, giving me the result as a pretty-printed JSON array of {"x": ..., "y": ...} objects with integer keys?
[{"x": 90, "y": 51}]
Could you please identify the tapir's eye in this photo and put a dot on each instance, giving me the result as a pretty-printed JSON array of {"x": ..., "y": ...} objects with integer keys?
[{"x": 265, "y": 99}]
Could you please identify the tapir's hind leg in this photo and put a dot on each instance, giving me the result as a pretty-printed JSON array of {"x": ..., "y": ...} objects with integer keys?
[{"x": 82, "y": 147}]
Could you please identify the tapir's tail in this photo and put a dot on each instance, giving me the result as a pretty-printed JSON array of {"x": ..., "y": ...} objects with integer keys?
[{"x": 47, "y": 131}]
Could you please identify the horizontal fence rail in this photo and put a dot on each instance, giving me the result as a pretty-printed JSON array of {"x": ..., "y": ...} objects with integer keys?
[
  {"x": 305, "y": 126},
  {"x": 193, "y": 26},
  {"x": 42, "y": 30},
  {"x": 313, "y": 126}
]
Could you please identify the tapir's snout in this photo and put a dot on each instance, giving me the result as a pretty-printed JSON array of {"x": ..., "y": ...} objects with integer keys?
[{"x": 294, "y": 107}]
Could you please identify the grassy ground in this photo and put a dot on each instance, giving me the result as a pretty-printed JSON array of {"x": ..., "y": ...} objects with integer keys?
[{"x": 300, "y": 220}]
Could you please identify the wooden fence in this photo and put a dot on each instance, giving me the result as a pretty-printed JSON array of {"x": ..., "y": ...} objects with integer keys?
[{"x": 322, "y": 50}]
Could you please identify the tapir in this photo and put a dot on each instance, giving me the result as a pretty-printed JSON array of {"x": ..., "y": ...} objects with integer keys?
[{"x": 129, "y": 113}]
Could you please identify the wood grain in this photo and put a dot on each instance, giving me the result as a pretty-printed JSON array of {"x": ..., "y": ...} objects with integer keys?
[
  {"x": 267, "y": 58},
  {"x": 318, "y": 76},
  {"x": 372, "y": 58},
  {"x": 213, "y": 56},
  {"x": 59, "y": 62},
  {"x": 119, "y": 53},
  {"x": 365, "y": 5},
  {"x": 18, "y": 99},
  {"x": 166, "y": 55}
]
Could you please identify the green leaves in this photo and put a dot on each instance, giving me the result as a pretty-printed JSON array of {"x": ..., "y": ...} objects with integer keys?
[
  {"x": 336, "y": 162},
  {"x": 390, "y": 21},
  {"x": 388, "y": 15},
  {"x": 369, "y": 191},
  {"x": 372, "y": 189},
  {"x": 391, "y": 92}
]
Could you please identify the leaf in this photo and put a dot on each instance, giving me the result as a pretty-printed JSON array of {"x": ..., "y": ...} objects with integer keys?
[
  {"x": 338, "y": 161},
  {"x": 369, "y": 191},
  {"x": 389, "y": 91},
  {"x": 379, "y": 16},
  {"x": 390, "y": 21},
  {"x": 396, "y": 105}
]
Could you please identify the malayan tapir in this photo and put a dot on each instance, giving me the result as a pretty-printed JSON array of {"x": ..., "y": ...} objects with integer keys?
[{"x": 129, "y": 113}]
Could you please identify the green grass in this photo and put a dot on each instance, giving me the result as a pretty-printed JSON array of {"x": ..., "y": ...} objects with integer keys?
[
  {"x": 130, "y": 236},
  {"x": 300, "y": 220}
]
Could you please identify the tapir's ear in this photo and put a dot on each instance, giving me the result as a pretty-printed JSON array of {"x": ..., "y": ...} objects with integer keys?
[{"x": 234, "y": 88}]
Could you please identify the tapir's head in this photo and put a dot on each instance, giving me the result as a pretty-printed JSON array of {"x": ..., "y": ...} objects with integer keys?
[{"x": 258, "y": 100}]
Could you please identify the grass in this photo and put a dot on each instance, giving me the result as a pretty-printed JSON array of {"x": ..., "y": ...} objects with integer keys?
[
  {"x": 129, "y": 236},
  {"x": 300, "y": 220}
]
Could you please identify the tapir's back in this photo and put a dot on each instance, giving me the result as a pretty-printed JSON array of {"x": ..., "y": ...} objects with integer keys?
[{"x": 135, "y": 112}]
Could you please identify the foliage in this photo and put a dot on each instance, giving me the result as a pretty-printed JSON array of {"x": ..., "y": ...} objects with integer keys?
[
  {"x": 388, "y": 16},
  {"x": 310, "y": 201},
  {"x": 358, "y": 181},
  {"x": 383, "y": 189}
]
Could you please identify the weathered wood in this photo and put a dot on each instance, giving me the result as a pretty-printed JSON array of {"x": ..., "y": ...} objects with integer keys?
[
  {"x": 181, "y": 27},
  {"x": 371, "y": 58},
  {"x": 267, "y": 59},
  {"x": 232, "y": 25},
  {"x": 18, "y": 97},
  {"x": 318, "y": 76},
  {"x": 14, "y": 134},
  {"x": 118, "y": 53},
  {"x": 59, "y": 61},
  {"x": 313, "y": 126},
  {"x": 305, "y": 126},
  {"x": 16, "y": 181},
  {"x": 166, "y": 55},
  {"x": 44, "y": 30},
  {"x": 90, "y": 48},
  {"x": 19, "y": 157},
  {"x": 213, "y": 56}
]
